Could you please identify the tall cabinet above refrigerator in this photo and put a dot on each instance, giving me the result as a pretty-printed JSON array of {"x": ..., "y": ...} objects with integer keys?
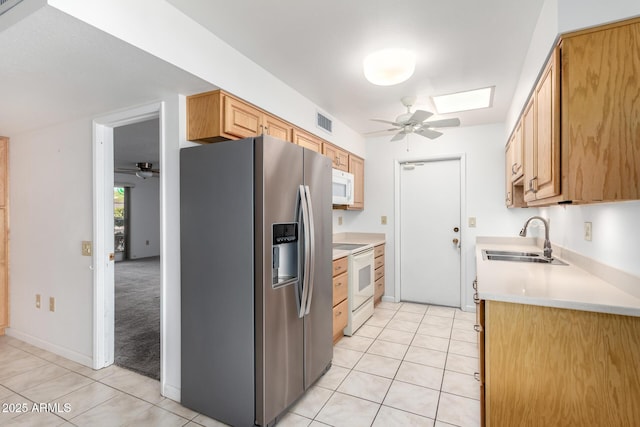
[{"x": 256, "y": 304}]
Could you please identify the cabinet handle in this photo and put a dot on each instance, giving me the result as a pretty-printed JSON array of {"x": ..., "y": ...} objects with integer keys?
[
  {"x": 338, "y": 284},
  {"x": 476, "y": 375},
  {"x": 338, "y": 314},
  {"x": 476, "y": 298},
  {"x": 514, "y": 168},
  {"x": 475, "y": 284},
  {"x": 477, "y": 328}
]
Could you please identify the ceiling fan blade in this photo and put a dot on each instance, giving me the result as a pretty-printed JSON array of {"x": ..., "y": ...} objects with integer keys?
[
  {"x": 398, "y": 136},
  {"x": 428, "y": 133},
  {"x": 444, "y": 123},
  {"x": 386, "y": 121},
  {"x": 419, "y": 116}
]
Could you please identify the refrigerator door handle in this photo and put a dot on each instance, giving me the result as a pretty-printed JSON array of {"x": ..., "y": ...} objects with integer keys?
[
  {"x": 312, "y": 253},
  {"x": 307, "y": 251}
]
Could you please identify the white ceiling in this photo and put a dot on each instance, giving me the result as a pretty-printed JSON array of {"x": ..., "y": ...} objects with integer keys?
[{"x": 317, "y": 48}]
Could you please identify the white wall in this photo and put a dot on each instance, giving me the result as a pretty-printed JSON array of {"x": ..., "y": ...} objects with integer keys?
[
  {"x": 483, "y": 147},
  {"x": 616, "y": 235},
  {"x": 51, "y": 213},
  {"x": 144, "y": 215}
]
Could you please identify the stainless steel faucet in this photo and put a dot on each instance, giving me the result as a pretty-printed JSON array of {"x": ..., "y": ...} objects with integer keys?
[{"x": 547, "y": 243}]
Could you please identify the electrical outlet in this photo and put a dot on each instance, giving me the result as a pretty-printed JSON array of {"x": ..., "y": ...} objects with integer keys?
[
  {"x": 38, "y": 300},
  {"x": 87, "y": 249},
  {"x": 472, "y": 221},
  {"x": 339, "y": 220},
  {"x": 383, "y": 220},
  {"x": 587, "y": 231},
  {"x": 52, "y": 304}
]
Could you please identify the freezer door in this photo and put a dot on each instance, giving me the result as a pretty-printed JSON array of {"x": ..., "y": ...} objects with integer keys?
[
  {"x": 318, "y": 323},
  {"x": 279, "y": 330}
]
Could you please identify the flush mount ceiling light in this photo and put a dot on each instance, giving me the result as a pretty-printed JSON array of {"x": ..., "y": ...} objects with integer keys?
[
  {"x": 464, "y": 101},
  {"x": 389, "y": 66}
]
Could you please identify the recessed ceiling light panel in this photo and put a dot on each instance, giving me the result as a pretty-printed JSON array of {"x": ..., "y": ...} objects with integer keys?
[
  {"x": 464, "y": 101},
  {"x": 389, "y": 66}
]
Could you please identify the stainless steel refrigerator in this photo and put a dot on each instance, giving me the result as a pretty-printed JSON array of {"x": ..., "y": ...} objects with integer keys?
[{"x": 256, "y": 297}]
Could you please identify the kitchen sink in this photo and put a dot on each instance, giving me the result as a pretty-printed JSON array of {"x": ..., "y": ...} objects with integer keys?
[
  {"x": 514, "y": 256},
  {"x": 511, "y": 253}
]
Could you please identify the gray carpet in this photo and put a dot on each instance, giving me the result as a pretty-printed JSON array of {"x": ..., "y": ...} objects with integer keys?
[{"x": 137, "y": 316}]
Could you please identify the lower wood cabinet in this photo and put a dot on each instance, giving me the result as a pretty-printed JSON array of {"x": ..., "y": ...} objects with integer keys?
[
  {"x": 549, "y": 366},
  {"x": 340, "y": 300},
  {"x": 378, "y": 273}
]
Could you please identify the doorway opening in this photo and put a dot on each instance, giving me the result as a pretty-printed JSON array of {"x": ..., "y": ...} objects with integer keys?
[
  {"x": 128, "y": 226},
  {"x": 137, "y": 248},
  {"x": 430, "y": 202}
]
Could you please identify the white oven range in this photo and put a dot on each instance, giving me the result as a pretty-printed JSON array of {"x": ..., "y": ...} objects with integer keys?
[{"x": 360, "y": 285}]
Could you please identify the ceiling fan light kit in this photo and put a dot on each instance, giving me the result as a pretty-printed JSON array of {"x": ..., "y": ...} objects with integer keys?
[
  {"x": 388, "y": 67},
  {"x": 144, "y": 174}
]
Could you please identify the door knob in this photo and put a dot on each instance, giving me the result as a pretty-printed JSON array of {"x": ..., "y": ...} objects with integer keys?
[
  {"x": 455, "y": 241},
  {"x": 456, "y": 229}
]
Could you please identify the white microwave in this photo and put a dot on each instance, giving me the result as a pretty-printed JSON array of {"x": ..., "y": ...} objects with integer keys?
[{"x": 342, "y": 187}]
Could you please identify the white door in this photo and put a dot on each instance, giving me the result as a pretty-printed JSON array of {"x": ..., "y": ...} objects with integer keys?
[{"x": 430, "y": 232}]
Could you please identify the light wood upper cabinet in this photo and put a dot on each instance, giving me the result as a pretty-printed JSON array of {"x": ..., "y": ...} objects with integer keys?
[
  {"x": 277, "y": 128},
  {"x": 580, "y": 132},
  {"x": 356, "y": 167},
  {"x": 240, "y": 119},
  {"x": 218, "y": 116},
  {"x": 514, "y": 169},
  {"x": 339, "y": 157},
  {"x": 601, "y": 113},
  {"x": 546, "y": 181},
  {"x": 4, "y": 234},
  {"x": 541, "y": 137},
  {"x": 307, "y": 140}
]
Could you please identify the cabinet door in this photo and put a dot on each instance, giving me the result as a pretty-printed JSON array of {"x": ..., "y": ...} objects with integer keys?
[
  {"x": 307, "y": 140},
  {"x": 546, "y": 182},
  {"x": 356, "y": 167},
  {"x": 277, "y": 128},
  {"x": 339, "y": 158},
  {"x": 508, "y": 155},
  {"x": 528, "y": 148},
  {"x": 601, "y": 113},
  {"x": 241, "y": 120}
]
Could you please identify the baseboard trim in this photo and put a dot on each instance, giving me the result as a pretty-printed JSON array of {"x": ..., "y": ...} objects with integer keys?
[
  {"x": 171, "y": 392},
  {"x": 53, "y": 348}
]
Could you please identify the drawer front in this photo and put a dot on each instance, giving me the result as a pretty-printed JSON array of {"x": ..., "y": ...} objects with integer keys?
[
  {"x": 340, "y": 289},
  {"x": 378, "y": 262},
  {"x": 379, "y": 288},
  {"x": 378, "y": 273},
  {"x": 378, "y": 250},
  {"x": 340, "y": 266},
  {"x": 340, "y": 317}
]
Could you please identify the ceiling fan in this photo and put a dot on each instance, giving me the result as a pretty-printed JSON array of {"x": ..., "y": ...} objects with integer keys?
[
  {"x": 143, "y": 170},
  {"x": 415, "y": 122}
]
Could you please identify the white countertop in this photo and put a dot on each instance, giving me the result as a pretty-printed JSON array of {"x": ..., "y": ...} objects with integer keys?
[
  {"x": 373, "y": 239},
  {"x": 559, "y": 286}
]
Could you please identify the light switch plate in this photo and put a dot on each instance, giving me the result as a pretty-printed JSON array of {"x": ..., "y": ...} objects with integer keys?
[
  {"x": 472, "y": 221},
  {"x": 383, "y": 220},
  {"x": 587, "y": 231},
  {"x": 52, "y": 304},
  {"x": 339, "y": 220}
]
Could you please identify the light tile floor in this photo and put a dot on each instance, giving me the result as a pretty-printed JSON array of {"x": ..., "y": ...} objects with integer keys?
[{"x": 410, "y": 364}]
